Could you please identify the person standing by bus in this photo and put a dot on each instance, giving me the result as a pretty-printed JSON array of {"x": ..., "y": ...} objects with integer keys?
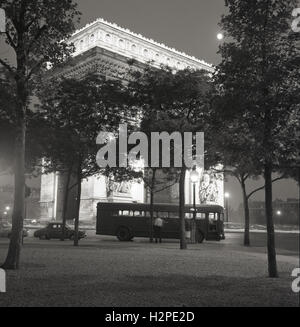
[{"x": 158, "y": 225}]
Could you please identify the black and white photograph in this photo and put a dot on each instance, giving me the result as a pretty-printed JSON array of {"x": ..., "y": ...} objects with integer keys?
[{"x": 150, "y": 156}]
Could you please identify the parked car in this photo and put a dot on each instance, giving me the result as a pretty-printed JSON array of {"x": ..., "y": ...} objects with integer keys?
[
  {"x": 54, "y": 231},
  {"x": 5, "y": 230},
  {"x": 31, "y": 221}
]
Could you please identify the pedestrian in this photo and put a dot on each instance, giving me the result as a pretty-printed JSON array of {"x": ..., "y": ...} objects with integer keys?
[{"x": 158, "y": 225}]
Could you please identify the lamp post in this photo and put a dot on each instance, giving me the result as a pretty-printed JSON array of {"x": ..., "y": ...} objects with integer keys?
[
  {"x": 227, "y": 196},
  {"x": 194, "y": 179}
]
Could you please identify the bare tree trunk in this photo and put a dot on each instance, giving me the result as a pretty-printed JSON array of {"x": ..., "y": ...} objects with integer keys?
[
  {"x": 246, "y": 215},
  {"x": 152, "y": 203},
  {"x": 65, "y": 204},
  {"x": 272, "y": 264},
  {"x": 13, "y": 257},
  {"x": 299, "y": 202},
  {"x": 183, "y": 243},
  {"x": 193, "y": 222},
  {"x": 76, "y": 238}
]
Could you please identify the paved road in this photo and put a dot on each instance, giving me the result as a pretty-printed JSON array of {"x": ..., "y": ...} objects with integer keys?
[{"x": 286, "y": 243}]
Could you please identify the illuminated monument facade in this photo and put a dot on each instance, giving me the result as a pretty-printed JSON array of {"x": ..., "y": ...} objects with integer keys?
[{"x": 106, "y": 48}]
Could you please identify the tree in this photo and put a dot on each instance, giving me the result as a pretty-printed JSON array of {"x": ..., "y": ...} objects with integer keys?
[
  {"x": 173, "y": 102},
  {"x": 156, "y": 184},
  {"x": 74, "y": 111},
  {"x": 232, "y": 148},
  {"x": 258, "y": 73},
  {"x": 7, "y": 132},
  {"x": 156, "y": 179},
  {"x": 35, "y": 30}
]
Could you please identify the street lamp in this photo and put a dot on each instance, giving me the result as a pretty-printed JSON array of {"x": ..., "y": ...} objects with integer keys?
[
  {"x": 227, "y": 196},
  {"x": 194, "y": 179},
  {"x": 7, "y": 208},
  {"x": 220, "y": 36},
  {"x": 279, "y": 213}
]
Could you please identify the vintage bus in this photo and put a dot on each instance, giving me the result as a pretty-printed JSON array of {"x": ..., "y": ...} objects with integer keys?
[{"x": 129, "y": 220}]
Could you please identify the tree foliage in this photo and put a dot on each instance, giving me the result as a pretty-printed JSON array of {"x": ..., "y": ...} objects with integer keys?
[
  {"x": 72, "y": 113},
  {"x": 259, "y": 87},
  {"x": 37, "y": 31},
  {"x": 172, "y": 101}
]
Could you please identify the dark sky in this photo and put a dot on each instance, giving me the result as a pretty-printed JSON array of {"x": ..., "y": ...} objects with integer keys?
[{"x": 190, "y": 26}]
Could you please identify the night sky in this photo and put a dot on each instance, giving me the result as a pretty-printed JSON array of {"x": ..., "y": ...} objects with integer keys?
[{"x": 190, "y": 26}]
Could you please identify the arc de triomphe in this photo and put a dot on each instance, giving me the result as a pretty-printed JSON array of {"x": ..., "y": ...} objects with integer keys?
[{"x": 106, "y": 48}]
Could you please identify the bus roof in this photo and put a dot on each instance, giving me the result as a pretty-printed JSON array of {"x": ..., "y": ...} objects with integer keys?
[{"x": 158, "y": 207}]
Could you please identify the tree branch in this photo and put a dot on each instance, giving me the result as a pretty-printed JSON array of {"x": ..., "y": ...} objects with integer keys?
[
  {"x": 7, "y": 66},
  {"x": 262, "y": 187},
  {"x": 166, "y": 187},
  {"x": 10, "y": 40},
  {"x": 38, "y": 65},
  {"x": 29, "y": 24},
  {"x": 37, "y": 36}
]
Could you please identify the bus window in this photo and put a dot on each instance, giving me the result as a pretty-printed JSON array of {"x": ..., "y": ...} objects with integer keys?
[
  {"x": 188, "y": 215},
  {"x": 116, "y": 213},
  {"x": 173, "y": 215},
  {"x": 213, "y": 217},
  {"x": 139, "y": 214},
  {"x": 200, "y": 215},
  {"x": 128, "y": 213},
  {"x": 163, "y": 214},
  {"x": 147, "y": 214}
]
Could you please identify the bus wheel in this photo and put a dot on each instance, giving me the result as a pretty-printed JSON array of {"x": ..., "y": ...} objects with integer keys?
[
  {"x": 123, "y": 234},
  {"x": 200, "y": 237}
]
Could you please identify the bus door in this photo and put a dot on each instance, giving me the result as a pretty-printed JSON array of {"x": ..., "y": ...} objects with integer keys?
[
  {"x": 150, "y": 223},
  {"x": 212, "y": 233},
  {"x": 220, "y": 225},
  {"x": 202, "y": 222},
  {"x": 171, "y": 224}
]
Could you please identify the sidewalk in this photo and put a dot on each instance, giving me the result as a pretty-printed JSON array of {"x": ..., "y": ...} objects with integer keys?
[
  {"x": 232, "y": 230},
  {"x": 110, "y": 273}
]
